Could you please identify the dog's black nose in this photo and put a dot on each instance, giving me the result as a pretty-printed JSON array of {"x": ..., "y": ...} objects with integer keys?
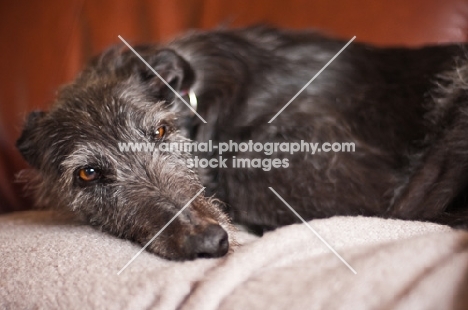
[{"x": 209, "y": 243}]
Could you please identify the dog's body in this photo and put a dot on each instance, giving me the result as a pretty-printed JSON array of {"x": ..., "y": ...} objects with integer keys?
[{"x": 406, "y": 110}]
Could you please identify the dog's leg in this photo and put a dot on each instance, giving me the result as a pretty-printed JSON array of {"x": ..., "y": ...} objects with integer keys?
[{"x": 442, "y": 176}]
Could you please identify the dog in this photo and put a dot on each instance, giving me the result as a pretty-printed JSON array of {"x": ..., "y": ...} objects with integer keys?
[{"x": 404, "y": 110}]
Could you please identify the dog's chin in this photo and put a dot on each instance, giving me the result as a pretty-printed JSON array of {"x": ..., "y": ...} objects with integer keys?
[{"x": 181, "y": 257}]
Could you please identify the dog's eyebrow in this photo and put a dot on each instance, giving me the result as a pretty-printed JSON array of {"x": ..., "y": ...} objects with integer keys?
[{"x": 156, "y": 115}]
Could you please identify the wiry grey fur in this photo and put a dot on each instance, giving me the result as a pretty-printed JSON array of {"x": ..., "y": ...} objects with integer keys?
[{"x": 411, "y": 156}]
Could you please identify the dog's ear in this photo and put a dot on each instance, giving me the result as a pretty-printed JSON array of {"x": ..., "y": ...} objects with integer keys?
[
  {"x": 28, "y": 142},
  {"x": 175, "y": 70}
]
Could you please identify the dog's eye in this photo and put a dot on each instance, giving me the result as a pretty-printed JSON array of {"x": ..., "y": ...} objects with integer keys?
[
  {"x": 160, "y": 132},
  {"x": 88, "y": 174},
  {"x": 156, "y": 133}
]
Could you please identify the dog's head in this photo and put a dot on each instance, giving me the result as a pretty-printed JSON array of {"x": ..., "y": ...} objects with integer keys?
[{"x": 78, "y": 150}]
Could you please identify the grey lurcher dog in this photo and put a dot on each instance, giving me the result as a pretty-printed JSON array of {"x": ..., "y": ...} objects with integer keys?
[{"x": 405, "y": 110}]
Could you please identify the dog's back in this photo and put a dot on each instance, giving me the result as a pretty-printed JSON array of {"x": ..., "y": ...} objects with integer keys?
[{"x": 384, "y": 100}]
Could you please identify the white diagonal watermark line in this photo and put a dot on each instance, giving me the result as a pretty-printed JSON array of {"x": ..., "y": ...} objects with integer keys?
[
  {"x": 313, "y": 230},
  {"x": 164, "y": 81},
  {"x": 315, "y": 76},
  {"x": 159, "y": 232}
]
